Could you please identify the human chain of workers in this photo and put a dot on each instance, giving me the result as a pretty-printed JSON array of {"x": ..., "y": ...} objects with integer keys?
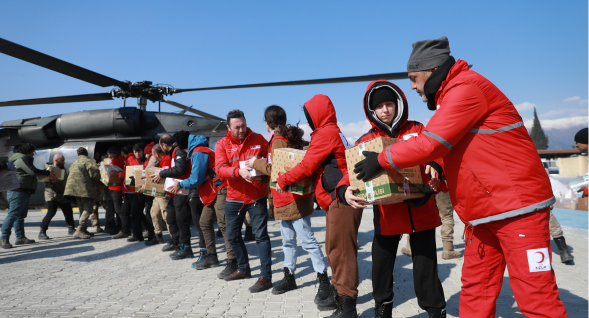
[{"x": 475, "y": 147}]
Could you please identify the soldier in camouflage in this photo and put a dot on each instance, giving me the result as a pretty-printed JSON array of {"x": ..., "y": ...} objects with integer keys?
[
  {"x": 82, "y": 186},
  {"x": 54, "y": 198}
]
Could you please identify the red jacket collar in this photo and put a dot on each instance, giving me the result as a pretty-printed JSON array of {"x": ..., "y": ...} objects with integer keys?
[
  {"x": 229, "y": 136},
  {"x": 458, "y": 67}
]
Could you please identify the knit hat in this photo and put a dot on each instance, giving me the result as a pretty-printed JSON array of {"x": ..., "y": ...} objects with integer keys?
[
  {"x": 148, "y": 148},
  {"x": 581, "y": 136},
  {"x": 113, "y": 150},
  {"x": 384, "y": 94},
  {"x": 428, "y": 54}
]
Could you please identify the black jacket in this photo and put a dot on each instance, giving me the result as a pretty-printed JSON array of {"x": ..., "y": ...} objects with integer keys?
[{"x": 181, "y": 165}]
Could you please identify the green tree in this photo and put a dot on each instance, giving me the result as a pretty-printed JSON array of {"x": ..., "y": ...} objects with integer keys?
[{"x": 538, "y": 136}]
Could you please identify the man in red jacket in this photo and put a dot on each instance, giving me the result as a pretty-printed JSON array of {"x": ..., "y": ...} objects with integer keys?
[
  {"x": 496, "y": 181},
  {"x": 244, "y": 194},
  {"x": 326, "y": 161}
]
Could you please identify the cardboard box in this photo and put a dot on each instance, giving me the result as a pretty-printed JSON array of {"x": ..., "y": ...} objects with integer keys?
[
  {"x": 582, "y": 204},
  {"x": 283, "y": 160},
  {"x": 154, "y": 189},
  {"x": 109, "y": 175},
  {"x": 59, "y": 172},
  {"x": 8, "y": 180},
  {"x": 135, "y": 173},
  {"x": 387, "y": 186},
  {"x": 170, "y": 182}
]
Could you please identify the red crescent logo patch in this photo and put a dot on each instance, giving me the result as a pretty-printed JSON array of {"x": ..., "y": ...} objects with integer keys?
[{"x": 542, "y": 260}]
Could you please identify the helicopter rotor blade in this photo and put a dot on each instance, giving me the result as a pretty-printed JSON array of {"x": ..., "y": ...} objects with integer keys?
[
  {"x": 349, "y": 79},
  {"x": 58, "y": 99},
  {"x": 29, "y": 55},
  {"x": 192, "y": 110}
]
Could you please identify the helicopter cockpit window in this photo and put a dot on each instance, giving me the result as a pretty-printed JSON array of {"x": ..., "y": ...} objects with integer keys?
[{"x": 41, "y": 158}]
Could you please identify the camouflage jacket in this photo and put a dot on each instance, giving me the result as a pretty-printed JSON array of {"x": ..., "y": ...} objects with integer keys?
[
  {"x": 83, "y": 179},
  {"x": 54, "y": 191}
]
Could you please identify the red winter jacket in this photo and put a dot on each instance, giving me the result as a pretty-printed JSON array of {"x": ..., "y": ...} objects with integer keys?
[
  {"x": 325, "y": 158},
  {"x": 399, "y": 218},
  {"x": 119, "y": 162},
  {"x": 491, "y": 165},
  {"x": 228, "y": 153}
]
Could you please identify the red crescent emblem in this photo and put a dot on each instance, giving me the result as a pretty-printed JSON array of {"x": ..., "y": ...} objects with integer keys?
[{"x": 542, "y": 260}]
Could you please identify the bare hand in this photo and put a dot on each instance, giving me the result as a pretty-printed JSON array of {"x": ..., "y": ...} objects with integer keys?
[
  {"x": 278, "y": 189},
  {"x": 141, "y": 189},
  {"x": 245, "y": 174},
  {"x": 353, "y": 200},
  {"x": 250, "y": 163},
  {"x": 53, "y": 174},
  {"x": 435, "y": 179},
  {"x": 175, "y": 188},
  {"x": 155, "y": 178}
]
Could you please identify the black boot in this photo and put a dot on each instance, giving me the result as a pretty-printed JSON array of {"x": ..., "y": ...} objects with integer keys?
[
  {"x": 441, "y": 314},
  {"x": 71, "y": 230},
  {"x": 329, "y": 303},
  {"x": 169, "y": 247},
  {"x": 249, "y": 234},
  {"x": 185, "y": 252},
  {"x": 383, "y": 310},
  {"x": 324, "y": 287},
  {"x": 563, "y": 250},
  {"x": 210, "y": 260},
  {"x": 43, "y": 235},
  {"x": 159, "y": 238},
  {"x": 286, "y": 284},
  {"x": 346, "y": 308},
  {"x": 219, "y": 234},
  {"x": 153, "y": 241},
  {"x": 230, "y": 268}
]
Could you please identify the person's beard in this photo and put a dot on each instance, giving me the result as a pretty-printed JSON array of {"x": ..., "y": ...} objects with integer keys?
[{"x": 422, "y": 95}]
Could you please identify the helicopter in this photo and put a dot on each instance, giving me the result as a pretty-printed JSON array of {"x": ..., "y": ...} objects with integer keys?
[{"x": 99, "y": 129}]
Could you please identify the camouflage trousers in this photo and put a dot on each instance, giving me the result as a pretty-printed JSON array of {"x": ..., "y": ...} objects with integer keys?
[
  {"x": 446, "y": 215},
  {"x": 109, "y": 214},
  {"x": 554, "y": 226},
  {"x": 85, "y": 206},
  {"x": 158, "y": 213}
]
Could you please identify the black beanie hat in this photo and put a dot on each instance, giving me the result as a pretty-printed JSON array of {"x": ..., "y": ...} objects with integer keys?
[
  {"x": 581, "y": 136},
  {"x": 384, "y": 94}
]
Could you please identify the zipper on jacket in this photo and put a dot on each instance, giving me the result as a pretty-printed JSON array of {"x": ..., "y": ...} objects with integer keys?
[{"x": 411, "y": 218}]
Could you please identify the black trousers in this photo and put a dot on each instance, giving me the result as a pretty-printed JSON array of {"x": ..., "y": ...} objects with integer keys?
[
  {"x": 178, "y": 219},
  {"x": 196, "y": 207},
  {"x": 148, "y": 204},
  {"x": 126, "y": 213},
  {"x": 122, "y": 216},
  {"x": 138, "y": 219},
  {"x": 428, "y": 288},
  {"x": 52, "y": 206}
]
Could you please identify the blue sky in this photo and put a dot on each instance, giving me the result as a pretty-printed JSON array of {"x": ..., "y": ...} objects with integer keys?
[{"x": 534, "y": 51}]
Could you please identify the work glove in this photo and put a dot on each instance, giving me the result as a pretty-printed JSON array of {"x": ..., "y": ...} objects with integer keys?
[
  {"x": 417, "y": 202},
  {"x": 367, "y": 167},
  {"x": 584, "y": 190}
]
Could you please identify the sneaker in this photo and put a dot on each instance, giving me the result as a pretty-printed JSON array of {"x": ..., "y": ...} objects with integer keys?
[
  {"x": 176, "y": 251},
  {"x": 71, "y": 230},
  {"x": 121, "y": 235},
  {"x": 229, "y": 268},
  {"x": 201, "y": 257},
  {"x": 185, "y": 252},
  {"x": 170, "y": 246},
  {"x": 5, "y": 244},
  {"x": 261, "y": 285},
  {"x": 43, "y": 235},
  {"x": 324, "y": 287},
  {"x": 23, "y": 241},
  {"x": 286, "y": 284},
  {"x": 210, "y": 260},
  {"x": 329, "y": 303},
  {"x": 249, "y": 234}
]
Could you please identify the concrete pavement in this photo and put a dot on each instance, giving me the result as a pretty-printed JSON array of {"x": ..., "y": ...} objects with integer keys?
[{"x": 101, "y": 277}]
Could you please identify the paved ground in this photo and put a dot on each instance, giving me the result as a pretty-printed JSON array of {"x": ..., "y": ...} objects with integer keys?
[{"x": 64, "y": 277}]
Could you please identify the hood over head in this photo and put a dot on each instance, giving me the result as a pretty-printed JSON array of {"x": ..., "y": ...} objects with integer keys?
[
  {"x": 320, "y": 112},
  {"x": 402, "y": 111},
  {"x": 196, "y": 141}
]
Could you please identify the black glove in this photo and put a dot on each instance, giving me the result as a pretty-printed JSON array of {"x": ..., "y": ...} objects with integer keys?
[
  {"x": 417, "y": 202},
  {"x": 367, "y": 167}
]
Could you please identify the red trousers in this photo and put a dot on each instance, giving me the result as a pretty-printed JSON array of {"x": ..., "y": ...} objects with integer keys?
[{"x": 522, "y": 244}]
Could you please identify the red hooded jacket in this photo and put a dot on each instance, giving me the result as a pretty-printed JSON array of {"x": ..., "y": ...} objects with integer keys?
[
  {"x": 119, "y": 162},
  {"x": 325, "y": 159},
  {"x": 399, "y": 218},
  {"x": 228, "y": 153},
  {"x": 491, "y": 165}
]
